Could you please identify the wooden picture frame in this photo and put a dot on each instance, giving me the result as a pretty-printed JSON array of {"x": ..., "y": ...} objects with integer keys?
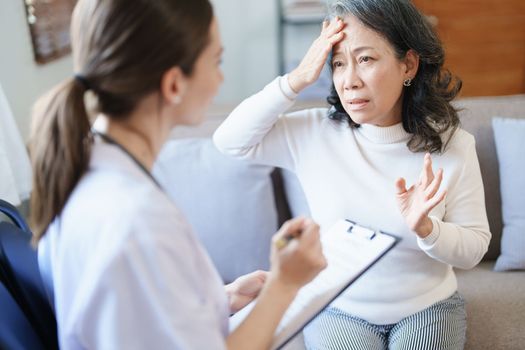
[{"x": 49, "y": 22}]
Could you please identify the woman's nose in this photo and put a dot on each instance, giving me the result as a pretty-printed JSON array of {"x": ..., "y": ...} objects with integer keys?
[{"x": 352, "y": 79}]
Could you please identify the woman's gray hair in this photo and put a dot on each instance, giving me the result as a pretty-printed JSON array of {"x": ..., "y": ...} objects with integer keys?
[{"x": 427, "y": 112}]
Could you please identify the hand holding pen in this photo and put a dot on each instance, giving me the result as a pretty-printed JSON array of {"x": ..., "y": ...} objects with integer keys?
[{"x": 297, "y": 255}]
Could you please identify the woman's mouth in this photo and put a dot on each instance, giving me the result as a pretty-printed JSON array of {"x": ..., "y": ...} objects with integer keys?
[{"x": 357, "y": 104}]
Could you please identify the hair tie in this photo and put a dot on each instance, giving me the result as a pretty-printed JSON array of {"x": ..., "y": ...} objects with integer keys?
[{"x": 83, "y": 81}]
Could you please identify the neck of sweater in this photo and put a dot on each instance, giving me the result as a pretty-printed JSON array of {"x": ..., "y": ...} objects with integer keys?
[{"x": 384, "y": 134}]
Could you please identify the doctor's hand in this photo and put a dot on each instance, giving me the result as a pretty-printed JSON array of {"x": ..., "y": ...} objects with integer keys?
[
  {"x": 244, "y": 289},
  {"x": 312, "y": 64},
  {"x": 416, "y": 202},
  {"x": 296, "y": 256}
]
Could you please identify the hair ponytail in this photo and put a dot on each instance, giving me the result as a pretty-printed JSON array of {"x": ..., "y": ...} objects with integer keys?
[
  {"x": 60, "y": 149},
  {"x": 120, "y": 63}
]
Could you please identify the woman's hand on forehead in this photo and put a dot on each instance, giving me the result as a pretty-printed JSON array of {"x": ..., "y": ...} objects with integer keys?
[{"x": 312, "y": 63}]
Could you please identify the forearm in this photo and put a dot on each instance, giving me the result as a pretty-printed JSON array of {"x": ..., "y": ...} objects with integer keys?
[
  {"x": 257, "y": 330},
  {"x": 252, "y": 120},
  {"x": 456, "y": 245},
  {"x": 462, "y": 235}
]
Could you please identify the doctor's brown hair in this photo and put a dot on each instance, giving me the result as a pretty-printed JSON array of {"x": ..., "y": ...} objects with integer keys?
[{"x": 121, "y": 49}]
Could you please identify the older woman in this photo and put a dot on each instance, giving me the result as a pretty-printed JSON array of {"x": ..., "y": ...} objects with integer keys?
[{"x": 390, "y": 111}]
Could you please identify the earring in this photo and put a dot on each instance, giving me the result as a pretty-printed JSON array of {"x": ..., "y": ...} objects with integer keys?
[
  {"x": 176, "y": 100},
  {"x": 407, "y": 82}
]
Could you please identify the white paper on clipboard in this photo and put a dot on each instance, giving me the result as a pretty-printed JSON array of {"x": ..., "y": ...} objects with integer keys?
[{"x": 350, "y": 250}]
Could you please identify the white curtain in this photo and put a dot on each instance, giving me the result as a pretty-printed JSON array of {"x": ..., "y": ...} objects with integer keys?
[{"x": 15, "y": 168}]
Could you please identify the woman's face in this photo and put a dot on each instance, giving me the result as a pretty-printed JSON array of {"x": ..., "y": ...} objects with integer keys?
[
  {"x": 205, "y": 80},
  {"x": 368, "y": 77}
]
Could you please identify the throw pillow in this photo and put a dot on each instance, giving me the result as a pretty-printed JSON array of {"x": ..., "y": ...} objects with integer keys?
[
  {"x": 509, "y": 136},
  {"x": 229, "y": 203}
]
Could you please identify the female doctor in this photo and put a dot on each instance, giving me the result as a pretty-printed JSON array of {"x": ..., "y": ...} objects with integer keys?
[{"x": 126, "y": 270}]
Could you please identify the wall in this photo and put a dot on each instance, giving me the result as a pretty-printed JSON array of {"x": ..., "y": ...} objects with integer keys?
[
  {"x": 248, "y": 29},
  {"x": 249, "y": 33},
  {"x": 21, "y": 78}
]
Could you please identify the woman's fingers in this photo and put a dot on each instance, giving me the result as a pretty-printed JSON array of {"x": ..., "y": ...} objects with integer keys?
[
  {"x": 310, "y": 232},
  {"x": 293, "y": 226},
  {"x": 331, "y": 34},
  {"x": 290, "y": 229},
  {"x": 301, "y": 258},
  {"x": 333, "y": 27},
  {"x": 334, "y": 39},
  {"x": 401, "y": 186},
  {"x": 308, "y": 71},
  {"x": 427, "y": 175},
  {"x": 433, "y": 187},
  {"x": 431, "y": 204},
  {"x": 310, "y": 238}
]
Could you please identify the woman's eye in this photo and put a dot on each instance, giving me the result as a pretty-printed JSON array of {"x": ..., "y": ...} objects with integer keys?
[
  {"x": 337, "y": 64},
  {"x": 365, "y": 59}
]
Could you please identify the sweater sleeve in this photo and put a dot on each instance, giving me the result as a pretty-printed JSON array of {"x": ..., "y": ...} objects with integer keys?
[
  {"x": 462, "y": 237},
  {"x": 255, "y": 131}
]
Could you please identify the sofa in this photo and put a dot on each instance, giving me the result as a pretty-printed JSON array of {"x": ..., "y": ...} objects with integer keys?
[{"x": 236, "y": 206}]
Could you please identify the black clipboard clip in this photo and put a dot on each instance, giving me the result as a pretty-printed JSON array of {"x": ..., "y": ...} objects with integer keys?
[{"x": 359, "y": 230}]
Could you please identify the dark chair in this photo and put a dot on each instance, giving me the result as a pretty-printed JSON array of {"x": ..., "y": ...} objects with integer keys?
[
  {"x": 16, "y": 332},
  {"x": 20, "y": 276}
]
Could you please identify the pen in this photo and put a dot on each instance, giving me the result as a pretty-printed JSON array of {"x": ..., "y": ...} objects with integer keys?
[
  {"x": 293, "y": 233},
  {"x": 283, "y": 241}
]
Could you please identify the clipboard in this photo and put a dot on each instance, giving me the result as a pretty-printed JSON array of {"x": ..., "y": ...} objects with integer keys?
[{"x": 350, "y": 250}]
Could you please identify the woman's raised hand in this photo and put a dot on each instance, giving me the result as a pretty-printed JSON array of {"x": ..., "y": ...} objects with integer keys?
[
  {"x": 311, "y": 65},
  {"x": 416, "y": 202},
  {"x": 300, "y": 258}
]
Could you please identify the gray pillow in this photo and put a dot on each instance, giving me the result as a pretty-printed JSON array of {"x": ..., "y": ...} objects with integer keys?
[
  {"x": 229, "y": 203},
  {"x": 509, "y": 136}
]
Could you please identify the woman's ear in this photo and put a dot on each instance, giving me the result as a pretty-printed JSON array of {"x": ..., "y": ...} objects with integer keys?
[
  {"x": 173, "y": 85},
  {"x": 411, "y": 63}
]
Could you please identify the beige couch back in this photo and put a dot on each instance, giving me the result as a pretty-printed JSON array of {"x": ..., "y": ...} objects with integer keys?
[{"x": 476, "y": 118}]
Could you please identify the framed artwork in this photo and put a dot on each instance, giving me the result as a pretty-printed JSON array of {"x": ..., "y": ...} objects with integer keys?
[{"x": 49, "y": 22}]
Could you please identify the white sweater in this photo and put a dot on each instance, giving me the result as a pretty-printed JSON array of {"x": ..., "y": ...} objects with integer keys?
[{"x": 351, "y": 173}]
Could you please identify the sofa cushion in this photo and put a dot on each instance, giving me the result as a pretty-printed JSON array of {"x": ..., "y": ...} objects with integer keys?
[
  {"x": 509, "y": 135},
  {"x": 476, "y": 117},
  {"x": 495, "y": 307},
  {"x": 229, "y": 203}
]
